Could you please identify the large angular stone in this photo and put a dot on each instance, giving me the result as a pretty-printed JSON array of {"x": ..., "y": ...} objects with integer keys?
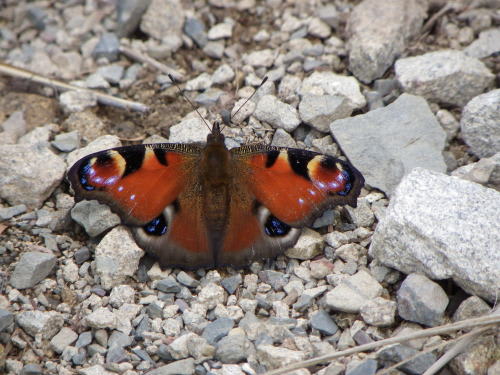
[
  {"x": 117, "y": 257},
  {"x": 45, "y": 323},
  {"x": 387, "y": 143},
  {"x": 33, "y": 267},
  {"x": 447, "y": 76},
  {"x": 480, "y": 124},
  {"x": 379, "y": 33},
  {"x": 29, "y": 173},
  {"x": 443, "y": 227}
]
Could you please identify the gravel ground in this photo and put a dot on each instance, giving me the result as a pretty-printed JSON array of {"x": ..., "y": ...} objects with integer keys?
[{"x": 407, "y": 90}]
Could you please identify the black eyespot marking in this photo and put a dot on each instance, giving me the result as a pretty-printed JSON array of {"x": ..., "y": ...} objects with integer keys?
[
  {"x": 161, "y": 156},
  {"x": 272, "y": 156},
  {"x": 82, "y": 176},
  {"x": 156, "y": 227},
  {"x": 133, "y": 160},
  {"x": 298, "y": 161},
  {"x": 328, "y": 162},
  {"x": 176, "y": 205},
  {"x": 275, "y": 227}
]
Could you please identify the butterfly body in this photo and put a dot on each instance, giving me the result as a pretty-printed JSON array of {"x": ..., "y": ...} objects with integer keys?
[{"x": 205, "y": 205}]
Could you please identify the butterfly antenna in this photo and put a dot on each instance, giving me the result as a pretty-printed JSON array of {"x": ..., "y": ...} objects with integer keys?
[
  {"x": 174, "y": 82},
  {"x": 250, "y": 97}
]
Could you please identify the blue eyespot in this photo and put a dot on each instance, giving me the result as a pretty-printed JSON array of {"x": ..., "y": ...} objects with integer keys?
[
  {"x": 84, "y": 172},
  {"x": 156, "y": 227},
  {"x": 275, "y": 227}
]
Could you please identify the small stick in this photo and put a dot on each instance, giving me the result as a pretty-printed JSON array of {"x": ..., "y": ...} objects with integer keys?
[
  {"x": 136, "y": 55},
  {"x": 105, "y": 99},
  {"x": 488, "y": 320}
]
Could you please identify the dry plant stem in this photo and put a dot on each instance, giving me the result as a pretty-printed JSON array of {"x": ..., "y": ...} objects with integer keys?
[
  {"x": 136, "y": 55},
  {"x": 62, "y": 86},
  {"x": 461, "y": 344},
  {"x": 489, "y": 320},
  {"x": 443, "y": 360}
]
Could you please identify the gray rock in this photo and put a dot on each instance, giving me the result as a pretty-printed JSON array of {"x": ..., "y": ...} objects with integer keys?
[
  {"x": 421, "y": 300},
  {"x": 486, "y": 45},
  {"x": 190, "y": 130},
  {"x": 257, "y": 59},
  {"x": 13, "y": 128},
  {"x": 320, "y": 110},
  {"x": 96, "y": 81},
  {"x": 209, "y": 97},
  {"x": 447, "y": 76},
  {"x": 232, "y": 349},
  {"x": 95, "y": 217},
  {"x": 409, "y": 240},
  {"x": 379, "y": 33},
  {"x": 274, "y": 278},
  {"x": 121, "y": 294},
  {"x": 231, "y": 283},
  {"x": 223, "y": 74},
  {"x": 195, "y": 29},
  {"x": 163, "y": 20},
  {"x": 108, "y": 47},
  {"x": 201, "y": 82},
  {"x": 32, "y": 369},
  {"x": 101, "y": 318},
  {"x": 77, "y": 100},
  {"x": 480, "y": 124},
  {"x": 283, "y": 139},
  {"x": 276, "y": 357},
  {"x": 187, "y": 280},
  {"x": 485, "y": 172},
  {"x": 327, "y": 83},
  {"x": 310, "y": 244},
  {"x": 82, "y": 255},
  {"x": 168, "y": 285},
  {"x": 276, "y": 113},
  {"x": 116, "y": 354},
  {"x": 9, "y": 212},
  {"x": 67, "y": 142},
  {"x": 129, "y": 14},
  {"x": 472, "y": 307},
  {"x": 323, "y": 322},
  {"x": 217, "y": 329},
  {"x": 33, "y": 267},
  {"x": 111, "y": 73},
  {"x": 214, "y": 50},
  {"x": 379, "y": 312},
  {"x": 407, "y": 135},
  {"x": 46, "y": 323},
  {"x": 477, "y": 357},
  {"x": 95, "y": 370},
  {"x": 182, "y": 367},
  {"x": 366, "y": 367},
  {"x": 6, "y": 319},
  {"x": 65, "y": 337},
  {"x": 29, "y": 174},
  {"x": 221, "y": 31},
  {"x": 117, "y": 257},
  {"x": 84, "y": 339},
  {"x": 353, "y": 293},
  {"x": 397, "y": 352}
]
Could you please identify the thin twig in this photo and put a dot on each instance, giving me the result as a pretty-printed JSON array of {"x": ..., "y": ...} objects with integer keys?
[
  {"x": 475, "y": 322},
  {"x": 136, "y": 55},
  {"x": 463, "y": 343},
  {"x": 105, "y": 99}
]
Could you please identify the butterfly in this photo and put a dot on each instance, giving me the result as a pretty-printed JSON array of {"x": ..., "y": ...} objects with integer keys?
[{"x": 192, "y": 205}]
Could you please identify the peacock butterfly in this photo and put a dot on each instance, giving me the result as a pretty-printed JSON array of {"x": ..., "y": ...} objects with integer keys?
[{"x": 192, "y": 205}]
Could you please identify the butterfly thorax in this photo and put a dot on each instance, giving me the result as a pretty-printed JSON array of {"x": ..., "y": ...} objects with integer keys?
[{"x": 216, "y": 179}]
